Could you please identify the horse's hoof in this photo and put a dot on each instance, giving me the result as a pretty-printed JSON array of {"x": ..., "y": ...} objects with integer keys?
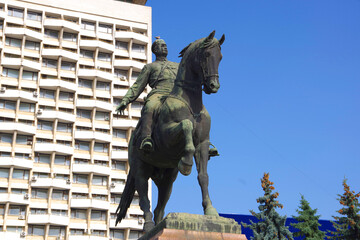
[
  {"x": 148, "y": 226},
  {"x": 184, "y": 168},
  {"x": 211, "y": 211}
]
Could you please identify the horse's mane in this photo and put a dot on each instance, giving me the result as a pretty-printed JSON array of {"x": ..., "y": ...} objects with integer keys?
[{"x": 200, "y": 43}]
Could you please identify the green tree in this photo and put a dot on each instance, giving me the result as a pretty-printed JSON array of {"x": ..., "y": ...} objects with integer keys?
[
  {"x": 347, "y": 226},
  {"x": 308, "y": 222},
  {"x": 271, "y": 225}
]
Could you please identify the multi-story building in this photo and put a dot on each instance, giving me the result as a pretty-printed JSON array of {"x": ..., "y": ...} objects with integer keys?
[{"x": 65, "y": 65}]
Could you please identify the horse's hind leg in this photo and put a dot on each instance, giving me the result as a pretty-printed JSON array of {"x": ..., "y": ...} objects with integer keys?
[
  {"x": 183, "y": 132},
  {"x": 164, "y": 185},
  {"x": 144, "y": 172},
  {"x": 201, "y": 159}
]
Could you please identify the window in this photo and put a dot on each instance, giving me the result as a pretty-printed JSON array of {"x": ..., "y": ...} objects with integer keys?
[
  {"x": 134, "y": 75},
  {"x": 70, "y": 37},
  {"x": 4, "y": 172},
  {"x": 51, "y": 33},
  {"x": 16, "y": 210},
  {"x": 6, "y": 138},
  {"x": 98, "y": 215},
  {"x": 81, "y": 113},
  {"x": 85, "y": 83},
  {"x": 103, "y": 86},
  {"x": 138, "y": 48},
  {"x": 34, "y": 16},
  {"x": 38, "y": 211},
  {"x": 5, "y": 154},
  {"x": 15, "y": 12},
  {"x": 21, "y": 174},
  {"x": 4, "y": 104},
  {"x": 101, "y": 147},
  {"x": 103, "y": 116},
  {"x": 44, "y": 125},
  {"x": 77, "y": 231},
  {"x": 66, "y": 96},
  {"x": 87, "y": 25},
  {"x": 64, "y": 127},
  {"x": 136, "y": 106},
  {"x": 121, "y": 45},
  {"x": 33, "y": 76},
  {"x": 120, "y": 73},
  {"x": 69, "y": 66},
  {"x": 134, "y": 235},
  {"x": 62, "y": 176},
  {"x": 99, "y": 197},
  {"x": 44, "y": 93},
  {"x": 42, "y": 158},
  {"x": 37, "y": 230},
  {"x": 78, "y": 213},
  {"x": 13, "y": 42},
  {"x": 3, "y": 190},
  {"x": 118, "y": 165},
  {"x": 100, "y": 180},
  {"x": 62, "y": 160},
  {"x": 60, "y": 194},
  {"x": 56, "y": 231},
  {"x": 19, "y": 191},
  {"x": 21, "y": 155},
  {"x": 119, "y": 133},
  {"x": 32, "y": 45},
  {"x": 41, "y": 175},
  {"x": 104, "y": 56},
  {"x": 63, "y": 142},
  {"x": 115, "y": 198},
  {"x": 16, "y": 229},
  {"x": 86, "y": 54},
  {"x": 11, "y": 73},
  {"x": 2, "y": 209},
  {"x": 80, "y": 178},
  {"x": 79, "y": 195},
  {"x": 81, "y": 161},
  {"x": 39, "y": 193},
  {"x": 135, "y": 201},
  {"x": 79, "y": 145},
  {"x": 59, "y": 212},
  {"x": 50, "y": 63},
  {"x": 117, "y": 234},
  {"x": 105, "y": 28}
]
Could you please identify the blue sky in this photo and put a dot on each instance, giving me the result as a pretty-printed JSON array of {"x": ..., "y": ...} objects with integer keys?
[{"x": 289, "y": 101}]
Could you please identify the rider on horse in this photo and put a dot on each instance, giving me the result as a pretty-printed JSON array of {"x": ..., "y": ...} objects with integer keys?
[{"x": 160, "y": 76}]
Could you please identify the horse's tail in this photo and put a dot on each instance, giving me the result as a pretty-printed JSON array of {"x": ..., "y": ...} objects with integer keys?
[{"x": 126, "y": 198}]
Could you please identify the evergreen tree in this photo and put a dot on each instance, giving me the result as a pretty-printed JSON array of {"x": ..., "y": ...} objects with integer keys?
[
  {"x": 308, "y": 222},
  {"x": 271, "y": 225},
  {"x": 348, "y": 226}
]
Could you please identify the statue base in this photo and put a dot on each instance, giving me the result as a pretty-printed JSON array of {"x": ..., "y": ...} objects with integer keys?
[{"x": 184, "y": 226}]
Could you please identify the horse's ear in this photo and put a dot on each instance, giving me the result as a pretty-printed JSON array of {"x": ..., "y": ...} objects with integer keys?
[
  {"x": 210, "y": 37},
  {"x": 184, "y": 50},
  {"x": 222, "y": 39}
]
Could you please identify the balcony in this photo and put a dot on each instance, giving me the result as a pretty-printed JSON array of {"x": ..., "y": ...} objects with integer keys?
[
  {"x": 91, "y": 103},
  {"x": 90, "y": 73},
  {"x": 53, "y": 147},
  {"x": 48, "y": 219},
  {"x": 124, "y": 123},
  {"x": 11, "y": 62},
  {"x": 87, "y": 237},
  {"x": 10, "y": 235},
  {"x": 89, "y": 203},
  {"x": 51, "y": 182},
  {"x": 52, "y": 115},
  {"x": 31, "y": 65},
  {"x": 126, "y": 36},
  {"x": 13, "y": 94},
  {"x": 20, "y": 31},
  {"x": 119, "y": 155},
  {"x": 127, "y": 223},
  {"x": 53, "y": 52},
  {"x": 119, "y": 92},
  {"x": 93, "y": 44},
  {"x": 14, "y": 198},
  {"x": 16, "y": 162},
  {"x": 119, "y": 188},
  {"x": 59, "y": 23},
  {"x": 89, "y": 135},
  {"x": 91, "y": 168},
  {"x": 55, "y": 83},
  {"x": 16, "y": 126},
  {"x": 128, "y": 63}
]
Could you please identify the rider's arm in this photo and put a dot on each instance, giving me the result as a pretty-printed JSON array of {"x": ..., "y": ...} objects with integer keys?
[{"x": 138, "y": 87}]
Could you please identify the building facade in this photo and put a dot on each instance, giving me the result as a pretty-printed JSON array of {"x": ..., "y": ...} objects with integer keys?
[{"x": 65, "y": 66}]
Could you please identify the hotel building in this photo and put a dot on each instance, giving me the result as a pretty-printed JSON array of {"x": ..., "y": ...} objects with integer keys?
[{"x": 65, "y": 66}]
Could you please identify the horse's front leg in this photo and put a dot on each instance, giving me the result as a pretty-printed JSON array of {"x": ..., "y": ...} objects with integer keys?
[
  {"x": 181, "y": 133},
  {"x": 201, "y": 159},
  {"x": 144, "y": 172}
]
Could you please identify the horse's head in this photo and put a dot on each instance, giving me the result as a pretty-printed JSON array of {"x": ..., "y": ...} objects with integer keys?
[{"x": 204, "y": 56}]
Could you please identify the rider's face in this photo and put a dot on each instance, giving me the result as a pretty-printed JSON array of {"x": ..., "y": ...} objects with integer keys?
[{"x": 162, "y": 50}]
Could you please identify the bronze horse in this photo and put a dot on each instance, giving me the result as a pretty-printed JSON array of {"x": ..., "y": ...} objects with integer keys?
[{"x": 180, "y": 132}]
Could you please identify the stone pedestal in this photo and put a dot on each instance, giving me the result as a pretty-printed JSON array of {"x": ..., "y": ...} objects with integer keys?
[{"x": 184, "y": 226}]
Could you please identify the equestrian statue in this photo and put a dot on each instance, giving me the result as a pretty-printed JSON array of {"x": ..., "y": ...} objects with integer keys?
[{"x": 174, "y": 125}]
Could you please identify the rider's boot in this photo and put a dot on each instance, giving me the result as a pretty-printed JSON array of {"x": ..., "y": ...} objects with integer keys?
[
  {"x": 213, "y": 152},
  {"x": 147, "y": 144}
]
